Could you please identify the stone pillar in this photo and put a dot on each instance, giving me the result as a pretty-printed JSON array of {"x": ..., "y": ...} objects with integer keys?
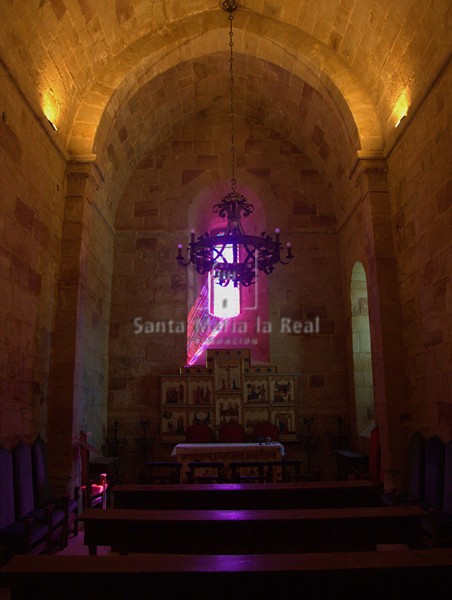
[
  {"x": 66, "y": 376},
  {"x": 392, "y": 412}
]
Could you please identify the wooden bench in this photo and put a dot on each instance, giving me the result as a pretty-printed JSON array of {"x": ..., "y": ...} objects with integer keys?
[
  {"x": 251, "y": 531},
  {"x": 344, "y": 576},
  {"x": 248, "y": 496}
]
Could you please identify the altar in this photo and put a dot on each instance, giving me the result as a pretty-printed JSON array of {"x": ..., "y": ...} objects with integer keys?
[{"x": 226, "y": 453}]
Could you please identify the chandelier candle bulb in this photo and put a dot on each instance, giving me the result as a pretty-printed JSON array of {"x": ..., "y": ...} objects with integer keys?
[{"x": 289, "y": 250}]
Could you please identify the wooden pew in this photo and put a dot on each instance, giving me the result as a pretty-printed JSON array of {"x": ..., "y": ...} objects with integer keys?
[
  {"x": 330, "y": 494},
  {"x": 344, "y": 576},
  {"x": 251, "y": 531}
]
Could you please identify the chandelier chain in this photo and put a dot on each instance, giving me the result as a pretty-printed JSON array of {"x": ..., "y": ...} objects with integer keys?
[
  {"x": 231, "y": 72},
  {"x": 251, "y": 254}
]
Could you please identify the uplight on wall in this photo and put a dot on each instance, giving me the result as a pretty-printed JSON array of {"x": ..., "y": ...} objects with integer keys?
[
  {"x": 51, "y": 109},
  {"x": 401, "y": 107}
]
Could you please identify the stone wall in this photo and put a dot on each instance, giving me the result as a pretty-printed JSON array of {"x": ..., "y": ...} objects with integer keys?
[
  {"x": 31, "y": 213},
  {"x": 421, "y": 205}
]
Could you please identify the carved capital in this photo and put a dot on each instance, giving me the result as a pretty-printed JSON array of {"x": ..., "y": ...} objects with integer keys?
[
  {"x": 370, "y": 175},
  {"x": 83, "y": 176}
]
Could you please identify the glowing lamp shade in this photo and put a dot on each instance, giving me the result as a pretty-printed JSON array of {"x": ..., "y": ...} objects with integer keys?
[{"x": 224, "y": 301}]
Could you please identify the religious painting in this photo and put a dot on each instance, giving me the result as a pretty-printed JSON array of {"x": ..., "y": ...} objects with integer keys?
[
  {"x": 228, "y": 408},
  {"x": 253, "y": 416},
  {"x": 256, "y": 390},
  {"x": 174, "y": 424},
  {"x": 201, "y": 391},
  {"x": 174, "y": 390},
  {"x": 229, "y": 388},
  {"x": 284, "y": 420},
  {"x": 228, "y": 375},
  {"x": 282, "y": 389}
]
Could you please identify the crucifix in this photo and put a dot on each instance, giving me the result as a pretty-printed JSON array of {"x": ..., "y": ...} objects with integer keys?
[{"x": 228, "y": 367}]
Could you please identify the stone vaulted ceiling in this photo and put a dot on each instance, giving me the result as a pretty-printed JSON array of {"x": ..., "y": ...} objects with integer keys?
[{"x": 118, "y": 77}]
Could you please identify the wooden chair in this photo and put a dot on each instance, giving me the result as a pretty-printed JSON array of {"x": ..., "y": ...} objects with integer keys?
[
  {"x": 416, "y": 475},
  {"x": 231, "y": 432},
  {"x": 94, "y": 492},
  {"x": 249, "y": 472},
  {"x": 205, "y": 472},
  {"x": 17, "y": 536},
  {"x": 163, "y": 472},
  {"x": 26, "y": 507},
  {"x": 434, "y": 473},
  {"x": 374, "y": 473},
  {"x": 374, "y": 460},
  {"x": 443, "y": 525},
  {"x": 199, "y": 433},
  {"x": 265, "y": 429},
  {"x": 41, "y": 484},
  {"x": 416, "y": 467},
  {"x": 434, "y": 489}
]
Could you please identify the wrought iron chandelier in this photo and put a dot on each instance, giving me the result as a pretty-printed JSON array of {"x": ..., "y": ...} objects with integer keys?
[{"x": 234, "y": 256}]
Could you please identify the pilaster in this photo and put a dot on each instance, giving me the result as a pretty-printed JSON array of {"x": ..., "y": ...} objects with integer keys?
[
  {"x": 390, "y": 384},
  {"x": 82, "y": 182}
]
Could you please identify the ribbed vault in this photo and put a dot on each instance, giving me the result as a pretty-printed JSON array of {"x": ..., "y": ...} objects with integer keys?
[
  {"x": 197, "y": 90},
  {"x": 289, "y": 49},
  {"x": 72, "y": 56}
]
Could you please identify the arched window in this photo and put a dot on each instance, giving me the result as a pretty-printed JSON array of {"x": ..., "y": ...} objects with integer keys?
[{"x": 362, "y": 352}]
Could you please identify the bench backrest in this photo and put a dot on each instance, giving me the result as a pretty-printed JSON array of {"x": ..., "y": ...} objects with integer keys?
[
  {"x": 23, "y": 480},
  {"x": 416, "y": 466},
  {"x": 40, "y": 472},
  {"x": 447, "y": 501},
  {"x": 374, "y": 455},
  {"x": 7, "y": 516},
  {"x": 434, "y": 472},
  {"x": 231, "y": 432},
  {"x": 199, "y": 434}
]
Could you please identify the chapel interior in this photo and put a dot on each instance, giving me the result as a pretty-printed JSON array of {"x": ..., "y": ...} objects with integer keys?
[{"x": 115, "y": 143}]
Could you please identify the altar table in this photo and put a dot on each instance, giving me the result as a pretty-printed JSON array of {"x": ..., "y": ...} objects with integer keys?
[{"x": 226, "y": 453}]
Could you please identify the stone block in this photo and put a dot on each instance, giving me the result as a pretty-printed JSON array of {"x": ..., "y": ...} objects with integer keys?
[
  {"x": 146, "y": 209},
  {"x": 207, "y": 162},
  {"x": 24, "y": 214},
  {"x": 189, "y": 175},
  {"x": 10, "y": 143}
]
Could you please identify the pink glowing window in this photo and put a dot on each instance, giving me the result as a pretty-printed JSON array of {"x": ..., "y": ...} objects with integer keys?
[{"x": 224, "y": 302}]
